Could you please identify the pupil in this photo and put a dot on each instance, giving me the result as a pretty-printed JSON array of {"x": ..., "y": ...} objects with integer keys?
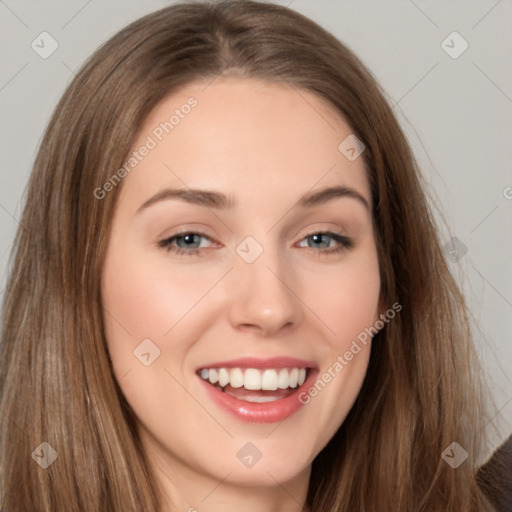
[
  {"x": 317, "y": 237},
  {"x": 188, "y": 239}
]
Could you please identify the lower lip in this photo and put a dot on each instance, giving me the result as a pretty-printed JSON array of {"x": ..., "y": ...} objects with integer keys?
[{"x": 266, "y": 412}]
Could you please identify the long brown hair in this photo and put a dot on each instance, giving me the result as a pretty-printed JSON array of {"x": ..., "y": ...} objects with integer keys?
[{"x": 422, "y": 390}]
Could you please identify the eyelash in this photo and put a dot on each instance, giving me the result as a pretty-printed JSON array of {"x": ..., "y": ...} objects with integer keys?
[{"x": 344, "y": 242}]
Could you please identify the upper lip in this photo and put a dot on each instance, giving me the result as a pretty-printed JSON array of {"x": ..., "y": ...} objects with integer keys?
[{"x": 254, "y": 362}]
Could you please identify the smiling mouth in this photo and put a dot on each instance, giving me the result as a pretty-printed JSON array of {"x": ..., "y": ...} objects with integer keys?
[{"x": 254, "y": 384}]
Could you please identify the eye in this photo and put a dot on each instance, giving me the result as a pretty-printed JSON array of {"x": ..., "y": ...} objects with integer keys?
[
  {"x": 321, "y": 238},
  {"x": 186, "y": 243}
]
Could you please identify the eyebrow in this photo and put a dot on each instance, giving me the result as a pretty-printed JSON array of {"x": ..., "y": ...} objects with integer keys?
[{"x": 219, "y": 201}]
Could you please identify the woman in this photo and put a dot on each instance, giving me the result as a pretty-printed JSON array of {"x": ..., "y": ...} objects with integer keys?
[{"x": 261, "y": 370}]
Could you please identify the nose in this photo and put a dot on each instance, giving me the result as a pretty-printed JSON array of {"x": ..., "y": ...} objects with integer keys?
[{"x": 263, "y": 298}]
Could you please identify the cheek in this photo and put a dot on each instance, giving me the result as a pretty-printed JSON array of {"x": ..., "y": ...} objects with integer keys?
[
  {"x": 144, "y": 301},
  {"x": 145, "y": 297},
  {"x": 138, "y": 305},
  {"x": 141, "y": 293},
  {"x": 346, "y": 300}
]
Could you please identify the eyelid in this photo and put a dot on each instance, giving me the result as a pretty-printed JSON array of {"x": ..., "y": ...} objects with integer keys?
[
  {"x": 186, "y": 229},
  {"x": 335, "y": 231}
]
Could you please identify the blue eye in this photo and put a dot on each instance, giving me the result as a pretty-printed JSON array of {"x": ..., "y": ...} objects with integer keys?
[
  {"x": 185, "y": 243},
  {"x": 186, "y": 240},
  {"x": 342, "y": 241}
]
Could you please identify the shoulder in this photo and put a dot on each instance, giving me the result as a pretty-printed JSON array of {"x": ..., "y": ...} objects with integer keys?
[{"x": 495, "y": 477}]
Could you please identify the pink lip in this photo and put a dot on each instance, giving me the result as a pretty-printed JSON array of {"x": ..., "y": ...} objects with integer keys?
[
  {"x": 266, "y": 412},
  {"x": 253, "y": 362}
]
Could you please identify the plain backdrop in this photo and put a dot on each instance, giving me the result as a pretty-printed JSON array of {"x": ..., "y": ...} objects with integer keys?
[{"x": 452, "y": 93}]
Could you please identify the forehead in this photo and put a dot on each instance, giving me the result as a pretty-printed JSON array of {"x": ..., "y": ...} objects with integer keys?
[{"x": 255, "y": 140}]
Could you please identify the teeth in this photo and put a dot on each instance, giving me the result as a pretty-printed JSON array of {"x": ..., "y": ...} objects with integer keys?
[
  {"x": 260, "y": 399},
  {"x": 236, "y": 378},
  {"x": 223, "y": 377},
  {"x": 269, "y": 380},
  {"x": 213, "y": 376},
  {"x": 254, "y": 379},
  {"x": 294, "y": 376},
  {"x": 283, "y": 381}
]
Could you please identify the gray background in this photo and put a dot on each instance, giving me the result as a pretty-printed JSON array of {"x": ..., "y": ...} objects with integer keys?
[{"x": 457, "y": 113}]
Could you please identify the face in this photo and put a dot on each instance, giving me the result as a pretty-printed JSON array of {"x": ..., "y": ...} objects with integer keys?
[{"x": 263, "y": 282}]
